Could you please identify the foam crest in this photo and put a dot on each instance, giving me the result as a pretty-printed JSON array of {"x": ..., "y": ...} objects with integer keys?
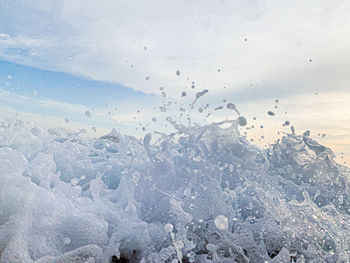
[{"x": 201, "y": 194}]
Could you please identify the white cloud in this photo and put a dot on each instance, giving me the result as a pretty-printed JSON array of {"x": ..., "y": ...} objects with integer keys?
[
  {"x": 262, "y": 48},
  {"x": 97, "y": 38}
]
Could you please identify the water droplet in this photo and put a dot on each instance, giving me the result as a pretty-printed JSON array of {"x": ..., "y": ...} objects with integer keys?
[
  {"x": 232, "y": 106},
  {"x": 221, "y": 222},
  {"x": 88, "y": 114},
  {"x": 242, "y": 121}
]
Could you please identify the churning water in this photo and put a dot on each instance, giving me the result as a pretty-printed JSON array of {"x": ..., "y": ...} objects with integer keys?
[{"x": 201, "y": 194}]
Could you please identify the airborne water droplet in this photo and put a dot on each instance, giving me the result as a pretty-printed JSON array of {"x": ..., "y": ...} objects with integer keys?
[
  {"x": 232, "y": 106},
  {"x": 242, "y": 121},
  {"x": 88, "y": 113}
]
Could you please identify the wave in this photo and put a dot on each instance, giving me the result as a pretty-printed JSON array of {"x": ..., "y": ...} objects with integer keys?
[{"x": 201, "y": 194}]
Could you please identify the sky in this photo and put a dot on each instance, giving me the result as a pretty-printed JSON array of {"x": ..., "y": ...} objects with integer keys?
[{"x": 60, "y": 59}]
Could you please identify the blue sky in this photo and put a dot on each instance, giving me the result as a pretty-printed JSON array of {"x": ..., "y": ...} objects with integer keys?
[
  {"x": 78, "y": 54},
  {"x": 62, "y": 96},
  {"x": 65, "y": 87}
]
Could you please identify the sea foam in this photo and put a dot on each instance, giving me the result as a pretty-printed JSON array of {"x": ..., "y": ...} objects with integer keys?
[{"x": 202, "y": 194}]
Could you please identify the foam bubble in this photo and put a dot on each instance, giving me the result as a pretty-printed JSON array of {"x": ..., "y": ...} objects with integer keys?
[{"x": 221, "y": 222}]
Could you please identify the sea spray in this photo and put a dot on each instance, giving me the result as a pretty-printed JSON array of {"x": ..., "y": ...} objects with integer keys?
[{"x": 201, "y": 194}]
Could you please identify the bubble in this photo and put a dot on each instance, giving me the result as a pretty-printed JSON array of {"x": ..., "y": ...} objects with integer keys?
[
  {"x": 36, "y": 131},
  {"x": 221, "y": 222},
  {"x": 74, "y": 181},
  {"x": 66, "y": 240}
]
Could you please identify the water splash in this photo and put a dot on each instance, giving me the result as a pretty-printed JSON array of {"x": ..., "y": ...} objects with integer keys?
[{"x": 201, "y": 194}]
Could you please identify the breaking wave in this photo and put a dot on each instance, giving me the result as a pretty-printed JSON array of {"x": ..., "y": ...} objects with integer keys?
[{"x": 202, "y": 194}]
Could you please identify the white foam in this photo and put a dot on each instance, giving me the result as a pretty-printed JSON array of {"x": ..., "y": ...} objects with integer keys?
[{"x": 204, "y": 189}]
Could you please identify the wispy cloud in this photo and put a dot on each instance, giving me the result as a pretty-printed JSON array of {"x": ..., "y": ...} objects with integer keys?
[
  {"x": 249, "y": 52},
  {"x": 127, "y": 41}
]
